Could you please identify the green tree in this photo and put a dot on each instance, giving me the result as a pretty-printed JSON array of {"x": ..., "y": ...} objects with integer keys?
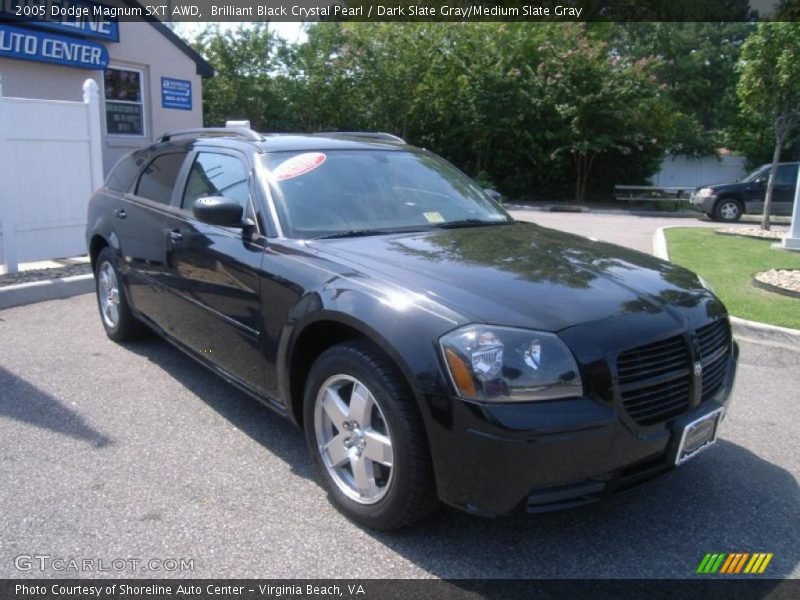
[
  {"x": 250, "y": 80},
  {"x": 769, "y": 87},
  {"x": 697, "y": 68},
  {"x": 606, "y": 105}
]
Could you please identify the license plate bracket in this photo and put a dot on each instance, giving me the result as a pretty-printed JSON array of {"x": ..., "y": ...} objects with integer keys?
[{"x": 697, "y": 436}]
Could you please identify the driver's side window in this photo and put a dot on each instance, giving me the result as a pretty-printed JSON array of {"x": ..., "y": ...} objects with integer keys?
[{"x": 217, "y": 175}]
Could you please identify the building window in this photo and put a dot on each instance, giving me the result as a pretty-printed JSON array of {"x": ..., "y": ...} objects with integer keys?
[{"x": 124, "y": 102}]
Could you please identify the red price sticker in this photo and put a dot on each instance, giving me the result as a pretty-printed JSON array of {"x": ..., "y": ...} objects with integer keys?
[{"x": 298, "y": 165}]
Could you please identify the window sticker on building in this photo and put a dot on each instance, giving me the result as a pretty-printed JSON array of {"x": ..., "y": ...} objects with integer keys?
[
  {"x": 124, "y": 102},
  {"x": 298, "y": 165}
]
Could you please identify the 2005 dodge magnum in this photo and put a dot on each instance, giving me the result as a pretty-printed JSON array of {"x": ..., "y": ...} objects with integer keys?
[{"x": 430, "y": 347}]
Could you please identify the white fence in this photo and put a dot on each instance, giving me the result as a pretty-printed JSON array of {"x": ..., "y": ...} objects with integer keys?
[
  {"x": 685, "y": 171},
  {"x": 50, "y": 163}
]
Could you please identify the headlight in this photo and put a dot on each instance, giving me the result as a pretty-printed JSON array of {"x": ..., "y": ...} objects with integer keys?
[
  {"x": 704, "y": 193},
  {"x": 502, "y": 364}
]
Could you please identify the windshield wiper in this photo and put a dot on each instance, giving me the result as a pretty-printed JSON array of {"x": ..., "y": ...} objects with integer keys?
[
  {"x": 470, "y": 223},
  {"x": 364, "y": 233}
]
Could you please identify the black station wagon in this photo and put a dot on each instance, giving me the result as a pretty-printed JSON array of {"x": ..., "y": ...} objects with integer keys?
[{"x": 431, "y": 347}]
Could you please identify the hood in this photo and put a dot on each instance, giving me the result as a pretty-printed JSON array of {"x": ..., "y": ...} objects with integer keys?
[
  {"x": 725, "y": 187},
  {"x": 521, "y": 275}
]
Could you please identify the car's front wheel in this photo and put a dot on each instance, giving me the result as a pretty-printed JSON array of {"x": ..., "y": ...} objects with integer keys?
[
  {"x": 115, "y": 313},
  {"x": 366, "y": 438},
  {"x": 728, "y": 210}
]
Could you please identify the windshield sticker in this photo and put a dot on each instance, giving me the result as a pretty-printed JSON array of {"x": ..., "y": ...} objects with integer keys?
[
  {"x": 298, "y": 165},
  {"x": 434, "y": 217}
]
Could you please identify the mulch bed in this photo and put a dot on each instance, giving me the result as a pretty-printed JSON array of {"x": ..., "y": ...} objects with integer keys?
[
  {"x": 779, "y": 281},
  {"x": 753, "y": 232}
]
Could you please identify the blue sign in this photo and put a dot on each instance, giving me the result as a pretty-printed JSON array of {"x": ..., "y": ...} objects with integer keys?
[
  {"x": 42, "y": 46},
  {"x": 73, "y": 17},
  {"x": 176, "y": 93}
]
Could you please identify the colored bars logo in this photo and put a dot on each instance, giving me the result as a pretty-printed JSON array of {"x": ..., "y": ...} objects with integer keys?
[{"x": 734, "y": 563}]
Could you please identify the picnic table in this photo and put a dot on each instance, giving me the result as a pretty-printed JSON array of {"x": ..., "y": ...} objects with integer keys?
[{"x": 673, "y": 196}]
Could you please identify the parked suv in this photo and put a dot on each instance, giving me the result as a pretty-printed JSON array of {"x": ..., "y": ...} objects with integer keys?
[
  {"x": 729, "y": 201},
  {"x": 430, "y": 347}
]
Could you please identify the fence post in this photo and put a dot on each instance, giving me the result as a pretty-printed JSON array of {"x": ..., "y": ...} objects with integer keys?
[
  {"x": 92, "y": 100},
  {"x": 8, "y": 205}
]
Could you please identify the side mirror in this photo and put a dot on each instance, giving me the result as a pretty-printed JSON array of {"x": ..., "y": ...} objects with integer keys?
[
  {"x": 494, "y": 195},
  {"x": 218, "y": 210}
]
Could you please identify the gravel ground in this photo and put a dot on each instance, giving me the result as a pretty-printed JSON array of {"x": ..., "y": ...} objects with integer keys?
[
  {"x": 44, "y": 274},
  {"x": 788, "y": 279}
]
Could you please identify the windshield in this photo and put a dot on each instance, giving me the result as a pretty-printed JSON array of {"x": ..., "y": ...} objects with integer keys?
[
  {"x": 336, "y": 193},
  {"x": 759, "y": 172}
]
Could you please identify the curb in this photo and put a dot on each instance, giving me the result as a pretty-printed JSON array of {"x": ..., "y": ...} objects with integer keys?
[
  {"x": 751, "y": 331},
  {"x": 50, "y": 289},
  {"x": 605, "y": 211}
]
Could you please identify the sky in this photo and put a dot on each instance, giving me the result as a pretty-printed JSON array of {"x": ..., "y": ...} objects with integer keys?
[{"x": 290, "y": 31}]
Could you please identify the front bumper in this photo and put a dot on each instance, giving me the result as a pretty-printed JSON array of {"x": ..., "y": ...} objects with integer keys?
[
  {"x": 540, "y": 456},
  {"x": 703, "y": 203}
]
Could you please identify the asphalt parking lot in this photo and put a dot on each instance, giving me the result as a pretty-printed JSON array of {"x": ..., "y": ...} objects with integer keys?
[{"x": 118, "y": 452}]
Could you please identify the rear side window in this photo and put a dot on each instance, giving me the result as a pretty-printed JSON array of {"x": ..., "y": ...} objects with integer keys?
[
  {"x": 158, "y": 179},
  {"x": 122, "y": 174},
  {"x": 786, "y": 175},
  {"x": 217, "y": 175}
]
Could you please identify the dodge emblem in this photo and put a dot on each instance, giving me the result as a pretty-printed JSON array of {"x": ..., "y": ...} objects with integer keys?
[{"x": 698, "y": 369}]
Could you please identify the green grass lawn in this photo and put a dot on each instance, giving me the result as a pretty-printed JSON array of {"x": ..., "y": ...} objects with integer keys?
[{"x": 728, "y": 263}]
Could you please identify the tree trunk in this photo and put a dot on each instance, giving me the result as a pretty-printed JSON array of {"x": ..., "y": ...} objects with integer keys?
[
  {"x": 578, "y": 175},
  {"x": 780, "y": 135},
  {"x": 583, "y": 167}
]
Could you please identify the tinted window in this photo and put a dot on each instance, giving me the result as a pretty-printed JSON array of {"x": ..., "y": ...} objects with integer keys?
[
  {"x": 786, "y": 175},
  {"x": 158, "y": 179},
  {"x": 217, "y": 175},
  {"x": 122, "y": 174},
  {"x": 338, "y": 191}
]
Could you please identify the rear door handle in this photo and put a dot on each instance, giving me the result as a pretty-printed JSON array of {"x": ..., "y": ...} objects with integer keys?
[
  {"x": 120, "y": 213},
  {"x": 175, "y": 236}
]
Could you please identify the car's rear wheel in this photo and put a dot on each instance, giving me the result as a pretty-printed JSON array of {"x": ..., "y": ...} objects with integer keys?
[
  {"x": 366, "y": 438},
  {"x": 728, "y": 210},
  {"x": 115, "y": 313}
]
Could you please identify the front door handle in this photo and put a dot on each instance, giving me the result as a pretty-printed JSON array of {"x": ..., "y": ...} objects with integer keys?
[
  {"x": 120, "y": 213},
  {"x": 175, "y": 236}
]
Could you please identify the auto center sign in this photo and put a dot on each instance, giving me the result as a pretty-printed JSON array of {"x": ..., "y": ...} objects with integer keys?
[
  {"x": 72, "y": 17},
  {"x": 39, "y": 25},
  {"x": 46, "y": 47}
]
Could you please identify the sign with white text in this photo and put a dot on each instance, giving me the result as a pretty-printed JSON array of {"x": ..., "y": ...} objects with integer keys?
[
  {"x": 42, "y": 46},
  {"x": 176, "y": 93}
]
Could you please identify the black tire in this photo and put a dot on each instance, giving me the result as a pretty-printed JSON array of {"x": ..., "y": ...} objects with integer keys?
[
  {"x": 728, "y": 210},
  {"x": 410, "y": 493},
  {"x": 127, "y": 327}
]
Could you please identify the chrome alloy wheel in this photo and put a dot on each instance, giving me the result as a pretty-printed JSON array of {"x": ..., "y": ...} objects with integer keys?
[
  {"x": 108, "y": 292},
  {"x": 353, "y": 439},
  {"x": 729, "y": 211}
]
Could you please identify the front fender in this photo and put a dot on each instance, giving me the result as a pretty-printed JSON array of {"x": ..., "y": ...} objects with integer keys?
[{"x": 406, "y": 326}]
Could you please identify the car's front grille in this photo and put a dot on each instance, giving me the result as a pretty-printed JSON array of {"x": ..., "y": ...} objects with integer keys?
[
  {"x": 655, "y": 380},
  {"x": 715, "y": 344}
]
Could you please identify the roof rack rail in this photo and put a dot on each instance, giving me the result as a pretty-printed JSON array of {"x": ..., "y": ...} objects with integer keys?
[
  {"x": 242, "y": 132},
  {"x": 375, "y": 135}
]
